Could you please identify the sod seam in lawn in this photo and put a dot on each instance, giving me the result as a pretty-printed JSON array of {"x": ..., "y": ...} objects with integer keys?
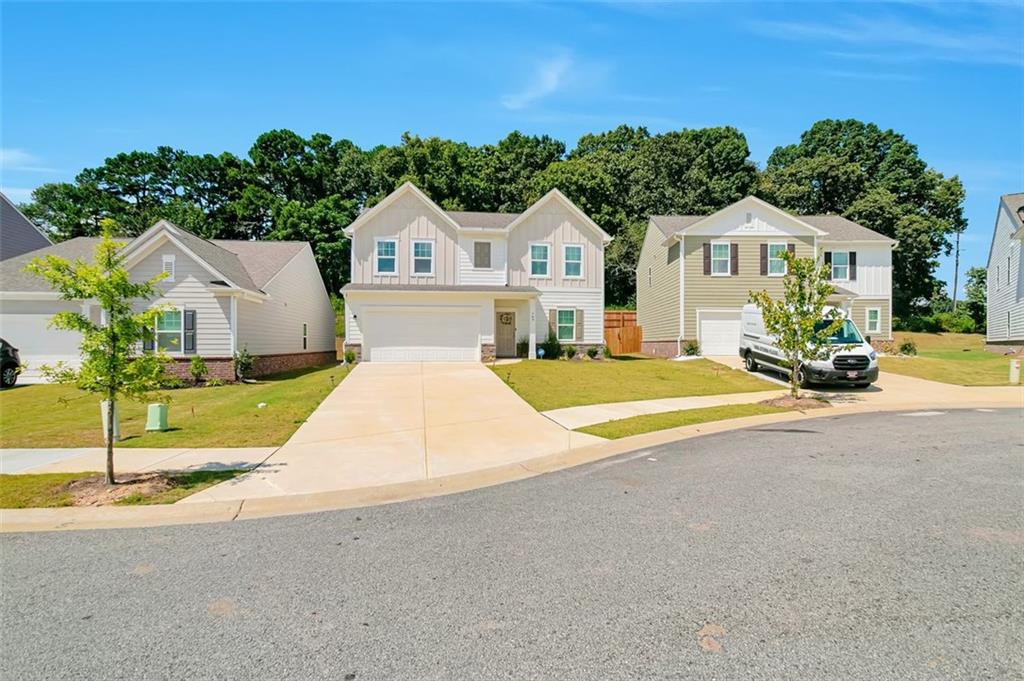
[
  {"x": 636, "y": 425},
  {"x": 554, "y": 384},
  {"x": 34, "y": 416}
]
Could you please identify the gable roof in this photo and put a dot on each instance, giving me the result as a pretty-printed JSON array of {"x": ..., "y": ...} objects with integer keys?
[
  {"x": 828, "y": 227},
  {"x": 477, "y": 220},
  {"x": 1015, "y": 202},
  {"x": 18, "y": 234},
  {"x": 248, "y": 265}
]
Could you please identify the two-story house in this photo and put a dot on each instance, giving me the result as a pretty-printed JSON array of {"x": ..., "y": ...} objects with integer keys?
[
  {"x": 435, "y": 285},
  {"x": 1005, "y": 294},
  {"x": 695, "y": 272}
]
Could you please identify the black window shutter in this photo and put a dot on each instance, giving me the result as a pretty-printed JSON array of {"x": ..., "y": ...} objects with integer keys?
[
  {"x": 853, "y": 265},
  {"x": 148, "y": 340},
  {"x": 828, "y": 261},
  {"x": 734, "y": 259},
  {"x": 764, "y": 260},
  {"x": 707, "y": 258},
  {"x": 190, "y": 332}
]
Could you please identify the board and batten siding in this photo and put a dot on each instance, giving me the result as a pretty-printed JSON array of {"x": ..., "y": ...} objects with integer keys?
[
  {"x": 297, "y": 296},
  {"x": 189, "y": 290},
  {"x": 407, "y": 219},
  {"x": 555, "y": 225},
  {"x": 590, "y": 301},
  {"x": 859, "y": 313},
  {"x": 704, "y": 291},
  {"x": 657, "y": 296},
  {"x": 1005, "y": 319},
  {"x": 498, "y": 272},
  {"x": 874, "y": 267}
]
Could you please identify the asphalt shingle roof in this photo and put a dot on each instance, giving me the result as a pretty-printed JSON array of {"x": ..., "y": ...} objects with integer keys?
[
  {"x": 482, "y": 220},
  {"x": 1015, "y": 202},
  {"x": 248, "y": 264},
  {"x": 836, "y": 227}
]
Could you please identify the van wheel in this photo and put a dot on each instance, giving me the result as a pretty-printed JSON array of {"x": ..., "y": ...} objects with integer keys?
[
  {"x": 749, "y": 362},
  {"x": 9, "y": 376},
  {"x": 801, "y": 378}
]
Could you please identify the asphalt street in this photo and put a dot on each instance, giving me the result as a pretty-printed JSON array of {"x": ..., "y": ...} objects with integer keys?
[{"x": 887, "y": 546}]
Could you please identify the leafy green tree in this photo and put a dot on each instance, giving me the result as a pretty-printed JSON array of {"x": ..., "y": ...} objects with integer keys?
[
  {"x": 795, "y": 320},
  {"x": 976, "y": 296},
  {"x": 504, "y": 171},
  {"x": 112, "y": 365},
  {"x": 874, "y": 177}
]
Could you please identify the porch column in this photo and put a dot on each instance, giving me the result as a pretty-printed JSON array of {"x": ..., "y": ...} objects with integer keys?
[{"x": 533, "y": 332}]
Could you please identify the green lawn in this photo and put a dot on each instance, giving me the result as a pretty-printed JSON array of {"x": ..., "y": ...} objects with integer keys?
[
  {"x": 647, "y": 423},
  {"x": 225, "y": 416},
  {"x": 958, "y": 358},
  {"x": 553, "y": 384},
  {"x": 50, "y": 490}
]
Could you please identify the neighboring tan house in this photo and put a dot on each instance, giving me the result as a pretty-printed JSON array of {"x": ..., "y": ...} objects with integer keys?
[
  {"x": 695, "y": 272},
  {"x": 1005, "y": 295},
  {"x": 18, "y": 234},
  {"x": 263, "y": 296},
  {"x": 435, "y": 285}
]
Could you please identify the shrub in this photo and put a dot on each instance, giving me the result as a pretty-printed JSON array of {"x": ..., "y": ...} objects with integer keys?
[
  {"x": 197, "y": 369},
  {"x": 607, "y": 352},
  {"x": 214, "y": 383},
  {"x": 691, "y": 348},
  {"x": 350, "y": 357},
  {"x": 592, "y": 352},
  {"x": 957, "y": 322},
  {"x": 243, "y": 363},
  {"x": 552, "y": 348},
  {"x": 908, "y": 347},
  {"x": 570, "y": 351},
  {"x": 920, "y": 324},
  {"x": 169, "y": 382},
  {"x": 523, "y": 346}
]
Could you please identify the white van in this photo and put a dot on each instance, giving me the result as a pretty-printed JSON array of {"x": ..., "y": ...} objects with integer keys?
[{"x": 854, "y": 363}]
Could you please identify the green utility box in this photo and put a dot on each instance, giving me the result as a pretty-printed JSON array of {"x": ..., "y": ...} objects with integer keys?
[{"x": 156, "y": 417}]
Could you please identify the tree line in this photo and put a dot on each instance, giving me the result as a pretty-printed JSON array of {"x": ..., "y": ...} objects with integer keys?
[{"x": 294, "y": 188}]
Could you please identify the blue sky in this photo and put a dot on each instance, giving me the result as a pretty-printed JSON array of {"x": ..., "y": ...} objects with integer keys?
[{"x": 81, "y": 82}]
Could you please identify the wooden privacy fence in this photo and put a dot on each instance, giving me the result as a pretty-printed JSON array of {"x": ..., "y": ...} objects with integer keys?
[{"x": 621, "y": 334}]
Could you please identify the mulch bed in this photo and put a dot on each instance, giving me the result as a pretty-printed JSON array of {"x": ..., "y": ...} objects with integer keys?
[
  {"x": 801, "y": 404},
  {"x": 94, "y": 491}
]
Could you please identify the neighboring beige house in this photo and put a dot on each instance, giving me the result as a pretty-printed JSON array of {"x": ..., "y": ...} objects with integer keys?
[
  {"x": 1005, "y": 296},
  {"x": 435, "y": 285},
  {"x": 695, "y": 272},
  {"x": 18, "y": 234},
  {"x": 264, "y": 296}
]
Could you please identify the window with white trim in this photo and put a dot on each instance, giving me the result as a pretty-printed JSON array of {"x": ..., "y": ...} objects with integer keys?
[
  {"x": 386, "y": 256},
  {"x": 305, "y": 335},
  {"x": 720, "y": 258},
  {"x": 840, "y": 265},
  {"x": 168, "y": 267},
  {"x": 874, "y": 320},
  {"x": 776, "y": 261},
  {"x": 540, "y": 257},
  {"x": 482, "y": 255},
  {"x": 572, "y": 261},
  {"x": 170, "y": 330},
  {"x": 566, "y": 325},
  {"x": 423, "y": 258}
]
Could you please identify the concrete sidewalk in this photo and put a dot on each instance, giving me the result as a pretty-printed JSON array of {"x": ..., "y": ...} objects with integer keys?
[{"x": 133, "y": 460}]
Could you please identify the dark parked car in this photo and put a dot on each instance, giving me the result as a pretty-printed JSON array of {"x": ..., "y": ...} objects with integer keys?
[{"x": 10, "y": 364}]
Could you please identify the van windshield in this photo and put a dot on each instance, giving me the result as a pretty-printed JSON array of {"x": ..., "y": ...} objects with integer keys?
[{"x": 846, "y": 335}]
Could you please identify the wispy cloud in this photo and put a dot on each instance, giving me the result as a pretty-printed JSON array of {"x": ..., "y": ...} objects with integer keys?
[
  {"x": 19, "y": 159},
  {"x": 919, "y": 38},
  {"x": 548, "y": 78}
]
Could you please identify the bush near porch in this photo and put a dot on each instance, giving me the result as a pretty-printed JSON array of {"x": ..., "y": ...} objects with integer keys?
[
  {"x": 223, "y": 416},
  {"x": 957, "y": 358},
  {"x": 556, "y": 384}
]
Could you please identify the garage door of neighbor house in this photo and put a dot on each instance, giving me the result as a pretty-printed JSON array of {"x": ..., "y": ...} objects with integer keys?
[
  {"x": 719, "y": 331},
  {"x": 422, "y": 334}
]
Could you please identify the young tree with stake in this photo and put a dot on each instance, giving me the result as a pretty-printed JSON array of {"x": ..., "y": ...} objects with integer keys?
[
  {"x": 796, "y": 320},
  {"x": 112, "y": 365}
]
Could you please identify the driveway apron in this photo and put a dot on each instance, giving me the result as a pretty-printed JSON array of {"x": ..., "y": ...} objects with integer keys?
[{"x": 399, "y": 422}]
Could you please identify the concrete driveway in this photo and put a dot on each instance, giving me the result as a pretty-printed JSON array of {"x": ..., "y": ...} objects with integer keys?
[{"x": 389, "y": 423}]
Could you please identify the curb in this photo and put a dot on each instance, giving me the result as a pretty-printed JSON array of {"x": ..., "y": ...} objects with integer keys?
[{"x": 121, "y": 517}]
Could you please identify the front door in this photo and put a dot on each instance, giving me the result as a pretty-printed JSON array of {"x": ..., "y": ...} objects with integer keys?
[{"x": 505, "y": 334}]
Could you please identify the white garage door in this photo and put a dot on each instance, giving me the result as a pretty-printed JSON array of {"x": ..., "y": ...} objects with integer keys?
[
  {"x": 24, "y": 324},
  {"x": 427, "y": 334},
  {"x": 719, "y": 332}
]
